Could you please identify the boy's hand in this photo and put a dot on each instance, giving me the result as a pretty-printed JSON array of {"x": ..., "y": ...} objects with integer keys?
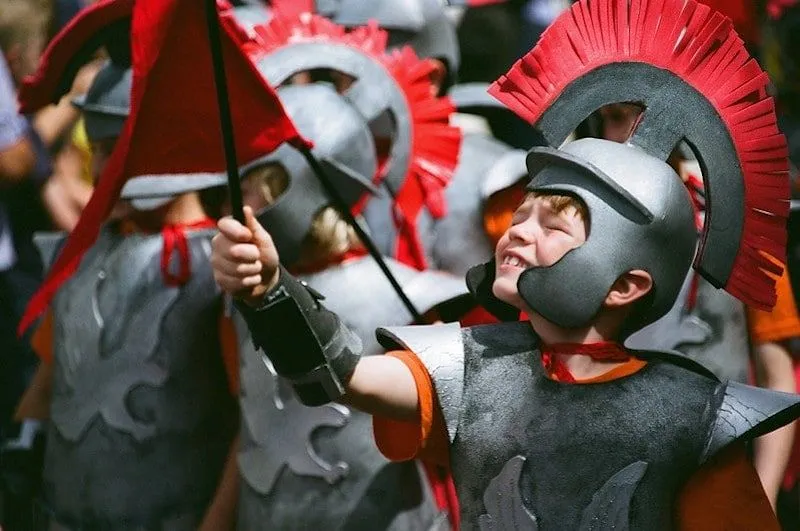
[{"x": 244, "y": 259}]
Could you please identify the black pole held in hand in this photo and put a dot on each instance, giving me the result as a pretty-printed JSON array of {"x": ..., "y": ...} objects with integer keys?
[
  {"x": 225, "y": 122},
  {"x": 341, "y": 206}
]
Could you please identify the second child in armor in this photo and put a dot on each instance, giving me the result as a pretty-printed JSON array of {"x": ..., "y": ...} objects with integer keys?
[
  {"x": 134, "y": 352},
  {"x": 302, "y": 467},
  {"x": 551, "y": 423}
]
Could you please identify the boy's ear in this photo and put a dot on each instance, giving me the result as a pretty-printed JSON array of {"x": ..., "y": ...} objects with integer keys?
[{"x": 629, "y": 288}]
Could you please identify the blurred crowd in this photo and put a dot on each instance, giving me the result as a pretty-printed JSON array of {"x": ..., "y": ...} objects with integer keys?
[{"x": 47, "y": 168}]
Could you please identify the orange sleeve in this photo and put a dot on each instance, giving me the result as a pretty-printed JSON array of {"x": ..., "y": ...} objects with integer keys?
[
  {"x": 726, "y": 495},
  {"x": 425, "y": 439},
  {"x": 42, "y": 340},
  {"x": 782, "y": 322},
  {"x": 229, "y": 343}
]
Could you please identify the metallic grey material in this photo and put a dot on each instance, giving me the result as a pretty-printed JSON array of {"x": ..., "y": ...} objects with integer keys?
[
  {"x": 508, "y": 170},
  {"x": 585, "y": 446},
  {"x": 277, "y": 427},
  {"x": 106, "y": 104},
  {"x": 637, "y": 206},
  {"x": 374, "y": 303},
  {"x": 503, "y": 501},
  {"x": 141, "y": 415},
  {"x": 458, "y": 241},
  {"x": 317, "y": 468},
  {"x": 611, "y": 505},
  {"x": 713, "y": 333},
  {"x": 441, "y": 349},
  {"x": 422, "y": 24},
  {"x": 746, "y": 412},
  {"x": 373, "y": 93},
  {"x": 49, "y": 244},
  {"x": 343, "y": 144}
]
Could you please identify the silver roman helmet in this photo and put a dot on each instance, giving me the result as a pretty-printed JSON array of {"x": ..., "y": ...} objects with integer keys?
[
  {"x": 106, "y": 104},
  {"x": 697, "y": 83},
  {"x": 424, "y": 146},
  {"x": 343, "y": 145}
]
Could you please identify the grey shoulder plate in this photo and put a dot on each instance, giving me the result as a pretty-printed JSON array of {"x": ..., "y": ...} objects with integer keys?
[
  {"x": 441, "y": 350},
  {"x": 746, "y": 412},
  {"x": 49, "y": 244}
]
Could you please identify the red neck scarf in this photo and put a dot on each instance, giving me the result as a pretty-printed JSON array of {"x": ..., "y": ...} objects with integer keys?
[
  {"x": 603, "y": 351},
  {"x": 174, "y": 237}
]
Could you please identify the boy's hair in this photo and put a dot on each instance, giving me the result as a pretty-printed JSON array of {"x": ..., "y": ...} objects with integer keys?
[
  {"x": 329, "y": 237},
  {"x": 560, "y": 203},
  {"x": 21, "y": 21}
]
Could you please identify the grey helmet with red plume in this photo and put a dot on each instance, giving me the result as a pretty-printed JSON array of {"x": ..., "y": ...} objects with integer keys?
[{"x": 687, "y": 67}]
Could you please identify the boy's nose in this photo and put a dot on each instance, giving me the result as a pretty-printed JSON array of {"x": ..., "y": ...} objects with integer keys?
[{"x": 525, "y": 232}]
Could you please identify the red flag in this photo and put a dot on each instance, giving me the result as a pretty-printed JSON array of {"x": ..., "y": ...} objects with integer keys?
[{"x": 174, "y": 125}]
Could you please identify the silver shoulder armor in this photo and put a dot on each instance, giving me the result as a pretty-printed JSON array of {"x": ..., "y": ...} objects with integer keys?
[
  {"x": 745, "y": 412},
  {"x": 441, "y": 350}
]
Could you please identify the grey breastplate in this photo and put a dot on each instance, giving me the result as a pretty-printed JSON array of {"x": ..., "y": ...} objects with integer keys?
[
  {"x": 361, "y": 295},
  {"x": 317, "y": 468},
  {"x": 713, "y": 333},
  {"x": 141, "y": 414},
  {"x": 561, "y": 456}
]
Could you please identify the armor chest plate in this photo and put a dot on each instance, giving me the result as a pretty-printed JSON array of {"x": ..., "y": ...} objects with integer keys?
[
  {"x": 141, "y": 415},
  {"x": 568, "y": 456},
  {"x": 317, "y": 468}
]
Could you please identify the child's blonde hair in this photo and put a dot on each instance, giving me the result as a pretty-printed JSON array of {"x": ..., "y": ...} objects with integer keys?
[{"x": 330, "y": 235}]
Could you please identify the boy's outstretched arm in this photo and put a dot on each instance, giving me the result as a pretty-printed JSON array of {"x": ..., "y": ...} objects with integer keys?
[{"x": 307, "y": 343}]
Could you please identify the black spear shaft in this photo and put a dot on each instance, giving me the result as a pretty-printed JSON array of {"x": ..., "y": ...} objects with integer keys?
[
  {"x": 225, "y": 122},
  {"x": 340, "y": 205}
]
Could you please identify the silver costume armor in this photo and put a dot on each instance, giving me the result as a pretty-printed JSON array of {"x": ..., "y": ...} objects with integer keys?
[
  {"x": 305, "y": 467},
  {"x": 528, "y": 465},
  {"x": 375, "y": 303},
  {"x": 141, "y": 416},
  {"x": 377, "y": 93},
  {"x": 318, "y": 467},
  {"x": 713, "y": 332},
  {"x": 344, "y": 147}
]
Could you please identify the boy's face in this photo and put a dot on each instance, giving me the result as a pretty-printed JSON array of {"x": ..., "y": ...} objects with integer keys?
[{"x": 540, "y": 234}]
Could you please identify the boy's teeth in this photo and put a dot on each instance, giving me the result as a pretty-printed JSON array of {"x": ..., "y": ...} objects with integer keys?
[{"x": 513, "y": 261}]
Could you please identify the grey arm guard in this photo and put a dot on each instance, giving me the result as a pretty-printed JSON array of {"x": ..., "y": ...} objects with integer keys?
[{"x": 308, "y": 344}]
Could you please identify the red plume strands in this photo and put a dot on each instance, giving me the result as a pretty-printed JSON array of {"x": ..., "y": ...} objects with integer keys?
[
  {"x": 700, "y": 47},
  {"x": 435, "y": 144}
]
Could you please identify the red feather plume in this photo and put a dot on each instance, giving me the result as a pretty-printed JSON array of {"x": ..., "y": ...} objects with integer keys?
[
  {"x": 700, "y": 47},
  {"x": 435, "y": 144}
]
